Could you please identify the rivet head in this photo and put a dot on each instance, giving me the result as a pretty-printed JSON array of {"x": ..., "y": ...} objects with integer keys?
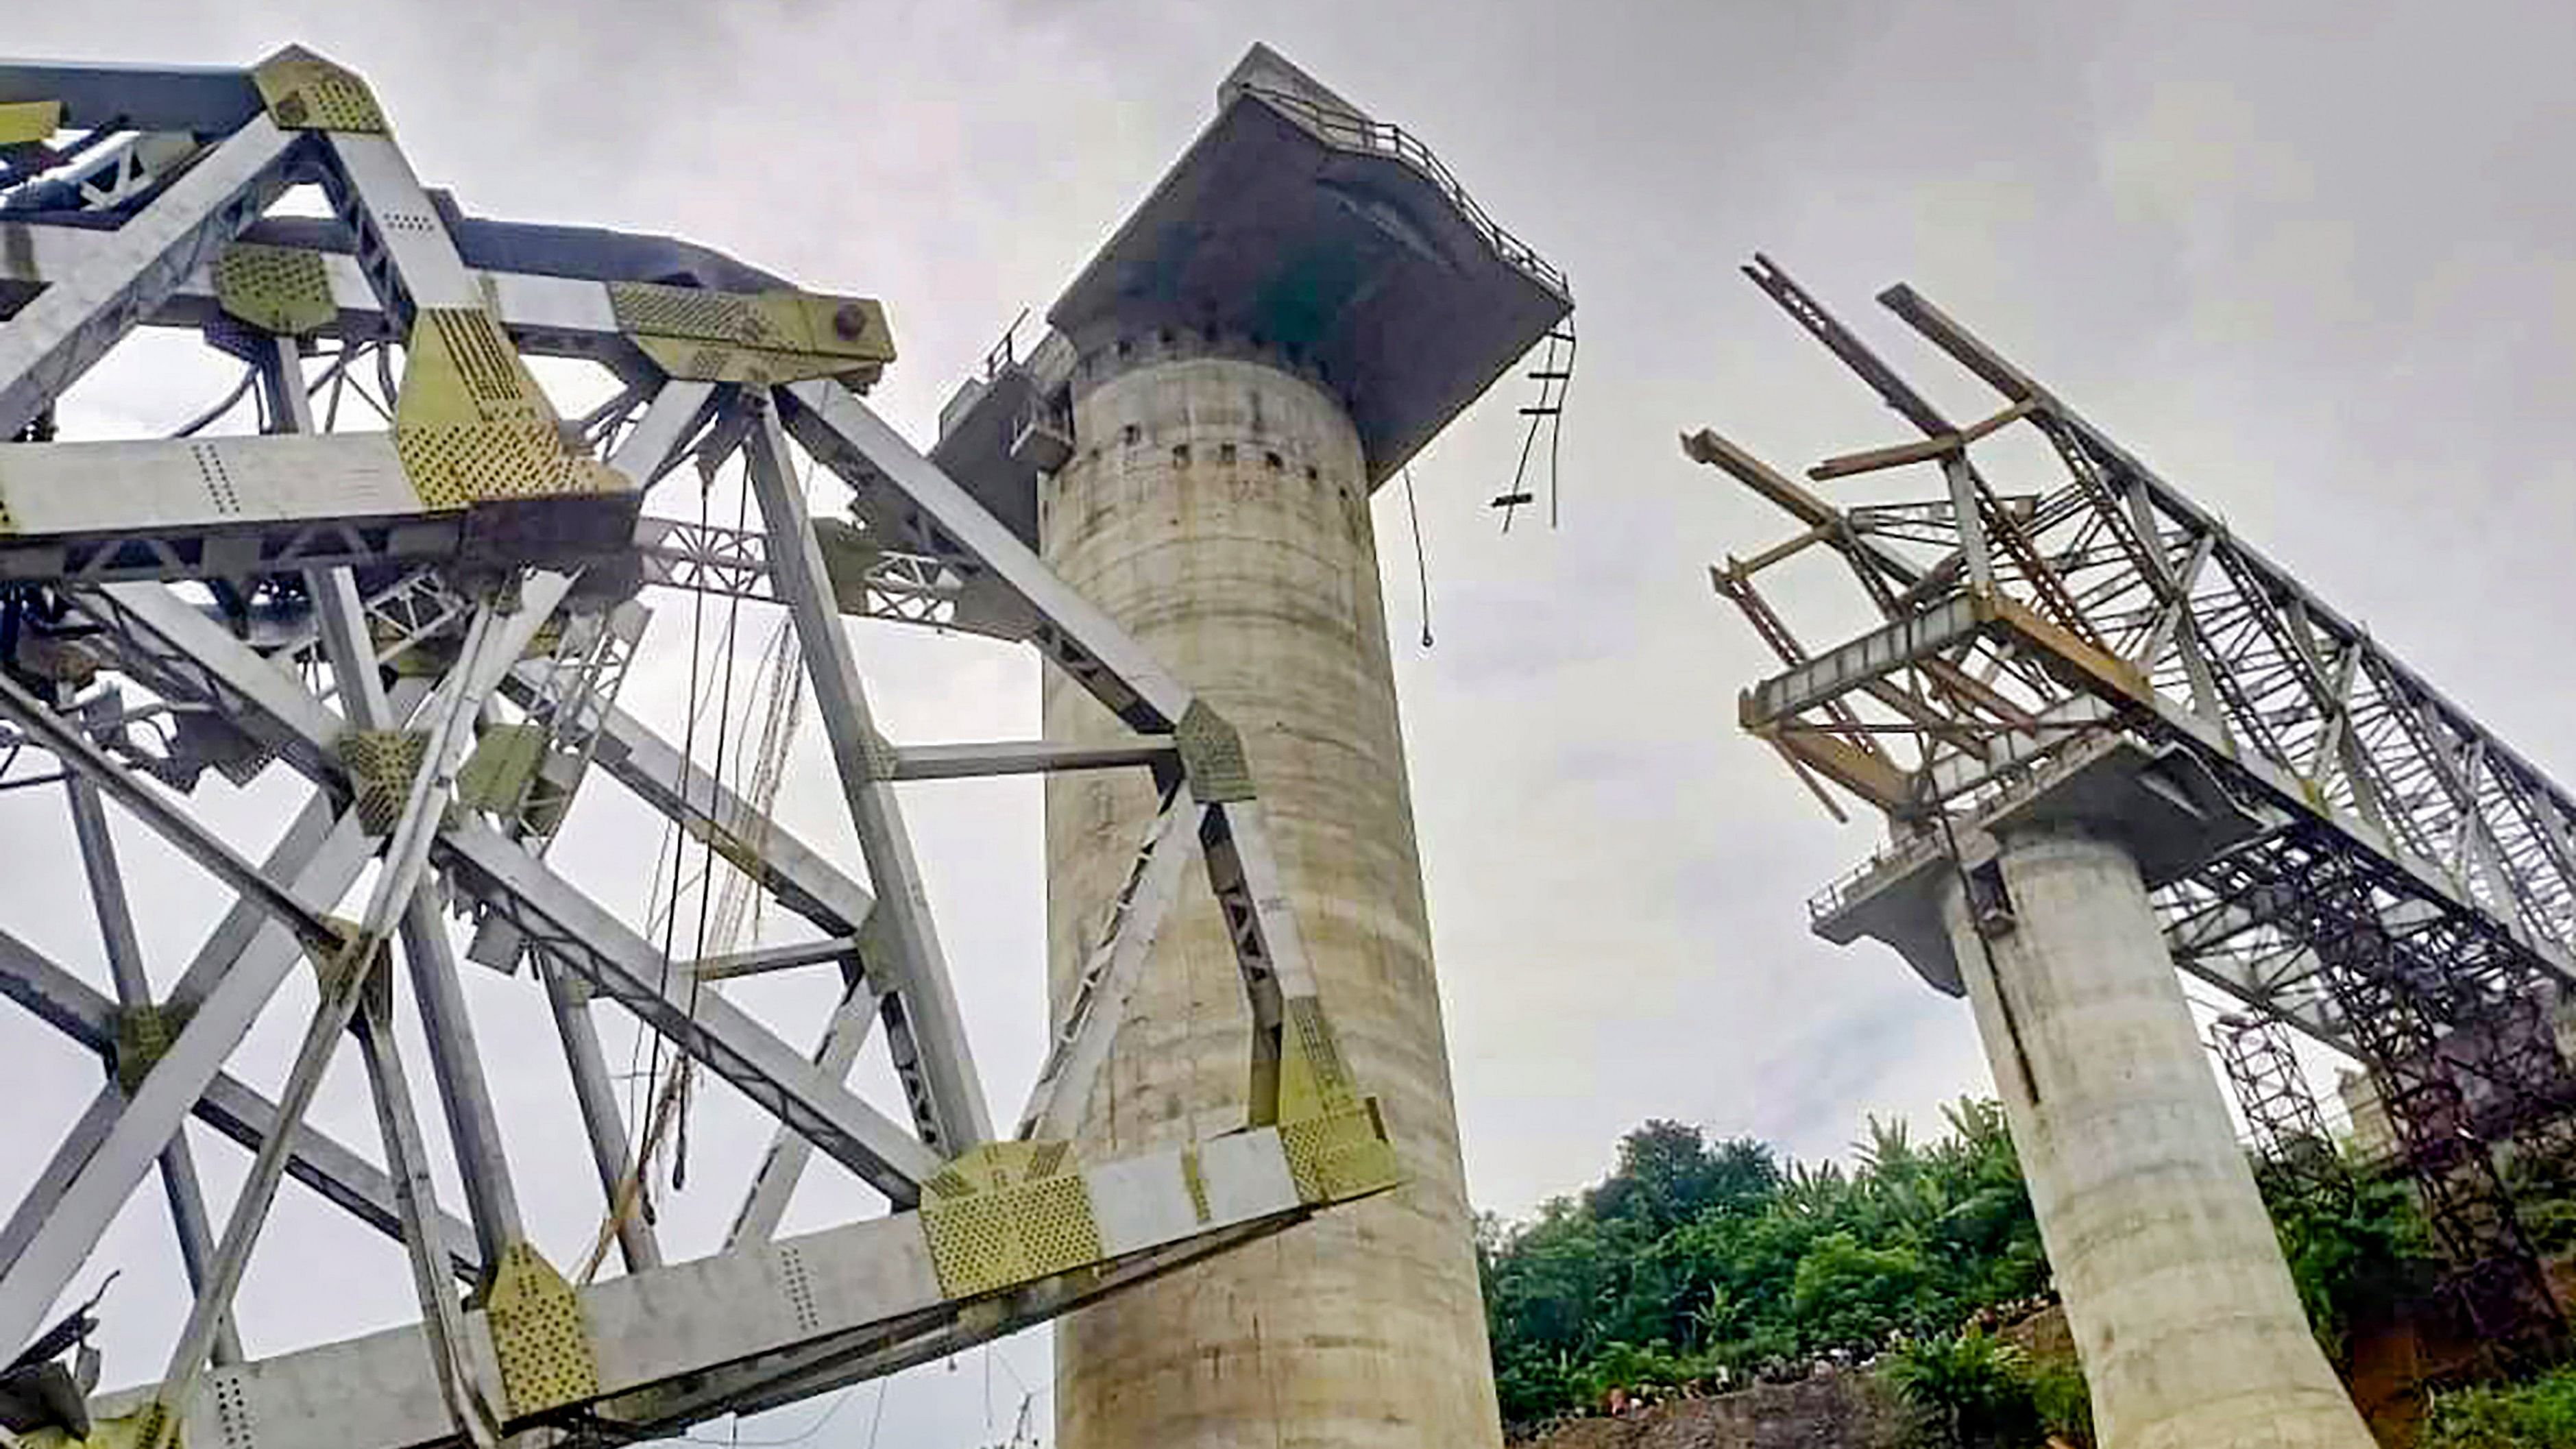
[{"x": 849, "y": 320}]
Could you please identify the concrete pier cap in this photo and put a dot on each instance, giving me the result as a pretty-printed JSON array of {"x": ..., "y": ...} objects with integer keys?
[
  {"x": 1297, "y": 230},
  {"x": 2185, "y": 1316},
  {"x": 1302, "y": 302},
  {"x": 2163, "y": 806}
]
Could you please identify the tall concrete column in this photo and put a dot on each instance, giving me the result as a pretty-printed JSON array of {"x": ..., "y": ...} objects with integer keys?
[
  {"x": 1216, "y": 506},
  {"x": 2183, "y": 1311},
  {"x": 1303, "y": 301}
]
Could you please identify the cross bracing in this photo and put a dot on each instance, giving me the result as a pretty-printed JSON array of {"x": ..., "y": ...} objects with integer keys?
[
  {"x": 416, "y": 589},
  {"x": 2344, "y": 848},
  {"x": 2105, "y": 599}
]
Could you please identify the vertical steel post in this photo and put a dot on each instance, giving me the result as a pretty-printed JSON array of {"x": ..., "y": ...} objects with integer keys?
[
  {"x": 595, "y": 1092},
  {"x": 912, "y": 964},
  {"x": 134, "y": 993},
  {"x": 473, "y": 1127}
]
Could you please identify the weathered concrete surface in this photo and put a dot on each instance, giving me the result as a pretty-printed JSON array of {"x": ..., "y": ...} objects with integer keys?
[
  {"x": 2189, "y": 1328},
  {"x": 1218, "y": 508}
]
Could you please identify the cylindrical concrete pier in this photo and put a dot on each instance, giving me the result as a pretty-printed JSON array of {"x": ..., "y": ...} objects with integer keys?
[
  {"x": 1217, "y": 506},
  {"x": 2182, "y": 1308}
]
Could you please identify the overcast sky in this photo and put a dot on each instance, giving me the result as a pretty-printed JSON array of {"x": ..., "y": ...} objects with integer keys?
[{"x": 2308, "y": 257}]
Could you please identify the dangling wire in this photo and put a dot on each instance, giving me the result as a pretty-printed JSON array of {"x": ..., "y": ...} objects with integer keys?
[
  {"x": 1421, "y": 561},
  {"x": 778, "y": 693},
  {"x": 680, "y": 844},
  {"x": 707, "y": 869}
]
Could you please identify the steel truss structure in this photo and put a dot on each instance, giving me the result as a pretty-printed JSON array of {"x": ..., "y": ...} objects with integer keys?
[
  {"x": 429, "y": 622},
  {"x": 2398, "y": 883},
  {"x": 2281, "y": 1113}
]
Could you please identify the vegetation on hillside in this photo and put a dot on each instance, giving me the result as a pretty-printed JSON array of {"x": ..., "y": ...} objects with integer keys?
[
  {"x": 1975, "y": 1391},
  {"x": 2355, "y": 1259},
  {"x": 2540, "y": 1414},
  {"x": 1697, "y": 1261},
  {"x": 1695, "y": 1257}
]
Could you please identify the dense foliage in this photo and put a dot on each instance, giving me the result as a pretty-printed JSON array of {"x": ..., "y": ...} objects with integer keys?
[
  {"x": 2540, "y": 1414},
  {"x": 1694, "y": 1257},
  {"x": 2356, "y": 1256},
  {"x": 1975, "y": 1391}
]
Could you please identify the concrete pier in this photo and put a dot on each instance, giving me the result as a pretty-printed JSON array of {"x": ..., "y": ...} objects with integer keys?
[
  {"x": 1225, "y": 522},
  {"x": 1305, "y": 300},
  {"x": 2183, "y": 1311}
]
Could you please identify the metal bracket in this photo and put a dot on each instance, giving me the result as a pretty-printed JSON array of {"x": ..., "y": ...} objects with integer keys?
[
  {"x": 27, "y": 122},
  {"x": 539, "y": 1335},
  {"x": 149, "y": 1427},
  {"x": 885, "y": 762},
  {"x": 1212, "y": 756},
  {"x": 143, "y": 1036},
  {"x": 1340, "y": 1154},
  {"x": 850, "y": 557},
  {"x": 381, "y": 766},
  {"x": 304, "y": 92},
  {"x": 761, "y": 338},
  {"x": 330, "y": 964},
  {"x": 497, "y": 776},
  {"x": 1335, "y": 1138},
  {"x": 1007, "y": 1213},
  {"x": 470, "y": 424},
  {"x": 285, "y": 290}
]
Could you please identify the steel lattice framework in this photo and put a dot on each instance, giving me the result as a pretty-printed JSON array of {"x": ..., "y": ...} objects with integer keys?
[
  {"x": 2281, "y": 1113},
  {"x": 2397, "y": 883},
  {"x": 429, "y": 622}
]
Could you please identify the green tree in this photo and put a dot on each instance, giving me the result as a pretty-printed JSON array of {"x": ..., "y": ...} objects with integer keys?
[
  {"x": 2355, "y": 1256},
  {"x": 1971, "y": 1392},
  {"x": 1847, "y": 1296},
  {"x": 1693, "y": 1254},
  {"x": 1668, "y": 1174}
]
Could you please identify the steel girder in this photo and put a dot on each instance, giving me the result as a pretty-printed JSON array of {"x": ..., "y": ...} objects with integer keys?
[
  {"x": 353, "y": 623},
  {"x": 2106, "y": 599},
  {"x": 2407, "y": 891}
]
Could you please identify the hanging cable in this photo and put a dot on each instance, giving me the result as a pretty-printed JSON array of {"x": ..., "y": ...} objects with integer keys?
[
  {"x": 688, "y": 753},
  {"x": 1421, "y": 561},
  {"x": 707, "y": 870},
  {"x": 779, "y": 689}
]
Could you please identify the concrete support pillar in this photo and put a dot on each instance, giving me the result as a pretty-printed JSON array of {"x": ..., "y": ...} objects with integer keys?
[
  {"x": 2182, "y": 1308},
  {"x": 1217, "y": 507}
]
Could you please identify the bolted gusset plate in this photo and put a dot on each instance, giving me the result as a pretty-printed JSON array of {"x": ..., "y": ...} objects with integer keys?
[
  {"x": 1007, "y": 1213},
  {"x": 1335, "y": 1138},
  {"x": 143, "y": 1036},
  {"x": 761, "y": 338},
  {"x": 23, "y": 122},
  {"x": 471, "y": 425},
  {"x": 1212, "y": 756},
  {"x": 382, "y": 765},
  {"x": 304, "y": 92},
  {"x": 285, "y": 290},
  {"x": 539, "y": 1334}
]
